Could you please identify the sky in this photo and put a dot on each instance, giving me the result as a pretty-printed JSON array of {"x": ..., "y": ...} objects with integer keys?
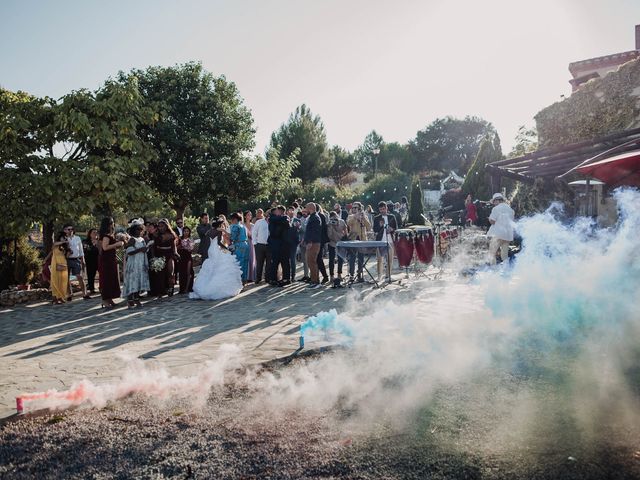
[{"x": 392, "y": 66}]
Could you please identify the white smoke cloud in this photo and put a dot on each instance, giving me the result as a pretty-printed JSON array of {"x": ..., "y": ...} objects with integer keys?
[{"x": 565, "y": 312}]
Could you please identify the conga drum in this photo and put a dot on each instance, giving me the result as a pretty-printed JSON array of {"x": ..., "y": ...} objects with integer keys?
[
  {"x": 424, "y": 243},
  {"x": 403, "y": 243},
  {"x": 444, "y": 242}
]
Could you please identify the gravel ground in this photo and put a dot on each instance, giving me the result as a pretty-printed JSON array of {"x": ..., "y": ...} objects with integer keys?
[{"x": 498, "y": 425}]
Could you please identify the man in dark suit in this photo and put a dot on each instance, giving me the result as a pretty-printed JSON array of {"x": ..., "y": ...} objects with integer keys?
[
  {"x": 203, "y": 235},
  {"x": 179, "y": 226},
  {"x": 279, "y": 246},
  {"x": 384, "y": 224}
]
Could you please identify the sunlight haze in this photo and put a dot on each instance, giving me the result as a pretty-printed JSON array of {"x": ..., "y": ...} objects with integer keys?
[{"x": 360, "y": 65}]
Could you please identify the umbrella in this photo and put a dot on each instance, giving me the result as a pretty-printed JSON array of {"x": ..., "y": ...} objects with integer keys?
[{"x": 623, "y": 169}]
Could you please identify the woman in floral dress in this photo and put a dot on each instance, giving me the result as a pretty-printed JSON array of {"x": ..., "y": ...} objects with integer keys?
[{"x": 136, "y": 278}]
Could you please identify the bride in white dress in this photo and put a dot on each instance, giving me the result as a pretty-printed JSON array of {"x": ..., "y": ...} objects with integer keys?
[{"x": 220, "y": 275}]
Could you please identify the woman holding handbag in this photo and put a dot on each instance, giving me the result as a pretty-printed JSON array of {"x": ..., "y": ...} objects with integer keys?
[{"x": 59, "y": 269}]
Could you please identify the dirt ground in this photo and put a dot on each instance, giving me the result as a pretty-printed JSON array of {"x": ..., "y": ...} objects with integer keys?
[{"x": 498, "y": 425}]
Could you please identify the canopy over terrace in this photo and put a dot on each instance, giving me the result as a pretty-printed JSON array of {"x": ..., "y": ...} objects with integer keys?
[
  {"x": 615, "y": 171},
  {"x": 564, "y": 160}
]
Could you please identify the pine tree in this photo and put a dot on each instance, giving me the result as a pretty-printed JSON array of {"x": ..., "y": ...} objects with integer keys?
[
  {"x": 476, "y": 182},
  {"x": 416, "y": 203}
]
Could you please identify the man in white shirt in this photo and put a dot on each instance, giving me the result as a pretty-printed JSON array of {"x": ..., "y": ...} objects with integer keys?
[
  {"x": 75, "y": 260},
  {"x": 179, "y": 227},
  {"x": 260, "y": 238},
  {"x": 501, "y": 229},
  {"x": 384, "y": 225}
]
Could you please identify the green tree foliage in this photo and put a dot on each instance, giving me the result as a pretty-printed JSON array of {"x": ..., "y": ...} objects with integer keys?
[
  {"x": 476, "y": 182},
  {"x": 60, "y": 159},
  {"x": 267, "y": 178},
  {"x": 26, "y": 135},
  {"x": 365, "y": 158},
  {"x": 28, "y": 263},
  {"x": 416, "y": 203},
  {"x": 305, "y": 132},
  {"x": 395, "y": 156},
  {"x": 449, "y": 144},
  {"x": 201, "y": 136},
  {"x": 344, "y": 165},
  {"x": 526, "y": 141},
  {"x": 385, "y": 187}
]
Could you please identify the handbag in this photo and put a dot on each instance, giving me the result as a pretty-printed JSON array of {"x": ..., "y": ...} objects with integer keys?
[{"x": 60, "y": 267}]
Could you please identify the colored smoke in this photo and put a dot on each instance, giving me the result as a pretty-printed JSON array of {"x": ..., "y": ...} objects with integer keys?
[
  {"x": 141, "y": 378},
  {"x": 564, "y": 312}
]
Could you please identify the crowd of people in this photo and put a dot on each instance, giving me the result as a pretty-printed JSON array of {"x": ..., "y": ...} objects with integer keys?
[{"x": 244, "y": 248}]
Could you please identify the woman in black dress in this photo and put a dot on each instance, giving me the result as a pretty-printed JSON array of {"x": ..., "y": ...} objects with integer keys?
[
  {"x": 108, "y": 263},
  {"x": 91, "y": 252}
]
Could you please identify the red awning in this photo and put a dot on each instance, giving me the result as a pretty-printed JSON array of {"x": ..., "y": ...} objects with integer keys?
[{"x": 623, "y": 169}]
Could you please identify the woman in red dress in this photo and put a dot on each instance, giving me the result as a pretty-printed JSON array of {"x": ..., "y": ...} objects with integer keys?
[
  {"x": 185, "y": 265},
  {"x": 108, "y": 264},
  {"x": 471, "y": 211}
]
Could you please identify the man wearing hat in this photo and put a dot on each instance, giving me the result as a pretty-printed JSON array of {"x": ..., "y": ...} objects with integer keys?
[{"x": 501, "y": 229}]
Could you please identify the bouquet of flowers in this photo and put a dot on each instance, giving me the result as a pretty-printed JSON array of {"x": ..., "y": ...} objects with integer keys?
[
  {"x": 122, "y": 237},
  {"x": 186, "y": 244},
  {"x": 157, "y": 264}
]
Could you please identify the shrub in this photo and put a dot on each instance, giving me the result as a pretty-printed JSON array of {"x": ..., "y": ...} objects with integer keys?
[{"x": 27, "y": 262}]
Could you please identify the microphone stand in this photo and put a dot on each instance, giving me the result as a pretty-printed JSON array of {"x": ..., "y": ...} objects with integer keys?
[{"x": 387, "y": 234}]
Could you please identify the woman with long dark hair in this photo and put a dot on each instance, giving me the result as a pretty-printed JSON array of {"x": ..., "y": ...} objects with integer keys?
[
  {"x": 165, "y": 247},
  {"x": 108, "y": 263},
  {"x": 185, "y": 265},
  {"x": 91, "y": 252}
]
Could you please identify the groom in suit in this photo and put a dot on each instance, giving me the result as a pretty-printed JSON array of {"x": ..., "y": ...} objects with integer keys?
[{"x": 203, "y": 235}]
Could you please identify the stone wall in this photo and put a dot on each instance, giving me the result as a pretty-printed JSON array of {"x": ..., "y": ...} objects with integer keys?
[{"x": 600, "y": 107}]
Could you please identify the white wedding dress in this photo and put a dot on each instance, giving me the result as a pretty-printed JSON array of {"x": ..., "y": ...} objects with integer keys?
[{"x": 220, "y": 276}]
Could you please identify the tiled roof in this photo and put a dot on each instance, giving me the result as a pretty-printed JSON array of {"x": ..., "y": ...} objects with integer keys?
[{"x": 607, "y": 60}]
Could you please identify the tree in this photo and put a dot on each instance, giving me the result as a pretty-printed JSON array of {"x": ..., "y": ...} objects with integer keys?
[
  {"x": 267, "y": 177},
  {"x": 305, "y": 132},
  {"x": 201, "y": 137},
  {"x": 476, "y": 182},
  {"x": 344, "y": 164},
  {"x": 416, "y": 203},
  {"x": 449, "y": 143},
  {"x": 394, "y": 156},
  {"x": 364, "y": 154},
  {"x": 60, "y": 159},
  {"x": 526, "y": 141}
]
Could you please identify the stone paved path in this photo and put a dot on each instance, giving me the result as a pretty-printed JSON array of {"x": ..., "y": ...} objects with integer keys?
[{"x": 44, "y": 346}]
